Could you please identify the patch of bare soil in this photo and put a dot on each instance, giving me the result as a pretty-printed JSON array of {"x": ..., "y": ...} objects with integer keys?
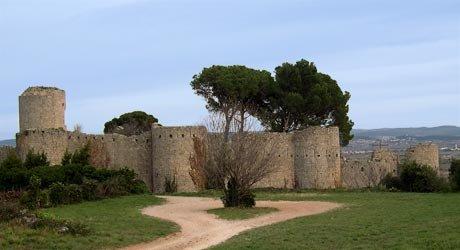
[{"x": 200, "y": 230}]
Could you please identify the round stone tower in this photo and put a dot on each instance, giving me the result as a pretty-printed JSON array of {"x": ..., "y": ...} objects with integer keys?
[
  {"x": 317, "y": 158},
  {"x": 173, "y": 152},
  {"x": 424, "y": 154},
  {"x": 42, "y": 108}
]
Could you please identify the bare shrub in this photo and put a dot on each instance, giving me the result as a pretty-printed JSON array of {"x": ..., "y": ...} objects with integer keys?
[{"x": 238, "y": 162}]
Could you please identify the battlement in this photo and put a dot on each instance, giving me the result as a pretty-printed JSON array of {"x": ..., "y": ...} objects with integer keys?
[{"x": 303, "y": 159}]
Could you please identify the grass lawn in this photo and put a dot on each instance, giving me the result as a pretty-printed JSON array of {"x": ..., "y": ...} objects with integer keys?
[
  {"x": 370, "y": 220},
  {"x": 114, "y": 223},
  {"x": 234, "y": 213}
]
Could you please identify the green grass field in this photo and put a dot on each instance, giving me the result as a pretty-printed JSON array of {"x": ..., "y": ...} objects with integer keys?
[
  {"x": 369, "y": 220},
  {"x": 241, "y": 213},
  {"x": 114, "y": 223}
]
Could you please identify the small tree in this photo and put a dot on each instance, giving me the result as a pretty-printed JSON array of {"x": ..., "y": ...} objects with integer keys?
[
  {"x": 134, "y": 123},
  {"x": 303, "y": 97},
  {"x": 237, "y": 163},
  {"x": 36, "y": 160},
  {"x": 233, "y": 91}
]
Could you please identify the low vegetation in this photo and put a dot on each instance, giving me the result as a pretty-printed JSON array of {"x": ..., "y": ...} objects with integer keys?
[
  {"x": 414, "y": 177},
  {"x": 238, "y": 213},
  {"x": 108, "y": 223},
  {"x": 369, "y": 220}
]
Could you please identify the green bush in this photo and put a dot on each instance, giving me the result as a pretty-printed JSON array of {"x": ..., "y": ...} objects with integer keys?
[
  {"x": 79, "y": 157},
  {"x": 49, "y": 175},
  {"x": 13, "y": 178},
  {"x": 34, "y": 160},
  {"x": 454, "y": 174},
  {"x": 11, "y": 161},
  {"x": 13, "y": 175},
  {"x": 392, "y": 182},
  {"x": 75, "y": 173},
  {"x": 112, "y": 187},
  {"x": 31, "y": 198},
  {"x": 234, "y": 198},
  {"x": 73, "y": 194},
  {"x": 57, "y": 193},
  {"x": 419, "y": 178},
  {"x": 139, "y": 187},
  {"x": 88, "y": 190}
]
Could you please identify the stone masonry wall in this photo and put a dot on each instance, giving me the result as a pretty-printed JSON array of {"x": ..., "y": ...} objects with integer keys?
[
  {"x": 107, "y": 151},
  {"x": 282, "y": 156},
  {"x": 425, "y": 154},
  {"x": 42, "y": 108},
  {"x": 5, "y": 151},
  {"x": 172, "y": 150},
  {"x": 360, "y": 173},
  {"x": 317, "y": 158}
]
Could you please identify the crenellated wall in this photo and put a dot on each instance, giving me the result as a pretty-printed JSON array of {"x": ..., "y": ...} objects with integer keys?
[
  {"x": 304, "y": 159},
  {"x": 173, "y": 149},
  {"x": 107, "y": 151}
]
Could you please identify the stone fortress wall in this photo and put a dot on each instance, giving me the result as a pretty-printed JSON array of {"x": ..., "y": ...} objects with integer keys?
[
  {"x": 361, "y": 173},
  {"x": 304, "y": 159},
  {"x": 5, "y": 151},
  {"x": 42, "y": 107},
  {"x": 111, "y": 151}
]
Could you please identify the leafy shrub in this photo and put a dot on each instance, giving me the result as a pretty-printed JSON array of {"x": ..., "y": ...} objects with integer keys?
[
  {"x": 67, "y": 158},
  {"x": 12, "y": 173},
  {"x": 49, "y": 175},
  {"x": 454, "y": 174},
  {"x": 392, "y": 182},
  {"x": 10, "y": 210},
  {"x": 102, "y": 174},
  {"x": 419, "y": 178},
  {"x": 73, "y": 194},
  {"x": 34, "y": 160},
  {"x": 57, "y": 193},
  {"x": 75, "y": 173},
  {"x": 31, "y": 198},
  {"x": 11, "y": 161},
  {"x": 112, "y": 187},
  {"x": 61, "y": 226},
  {"x": 13, "y": 178},
  {"x": 81, "y": 156},
  {"x": 88, "y": 190},
  {"x": 139, "y": 187},
  {"x": 232, "y": 197}
]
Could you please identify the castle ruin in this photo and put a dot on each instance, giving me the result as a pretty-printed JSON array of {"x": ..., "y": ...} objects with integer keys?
[{"x": 304, "y": 159}]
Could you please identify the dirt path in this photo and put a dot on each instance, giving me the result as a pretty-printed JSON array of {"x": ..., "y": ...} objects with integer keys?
[{"x": 200, "y": 230}]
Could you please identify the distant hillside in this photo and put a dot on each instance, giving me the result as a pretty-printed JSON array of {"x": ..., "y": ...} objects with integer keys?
[
  {"x": 441, "y": 132},
  {"x": 8, "y": 143}
]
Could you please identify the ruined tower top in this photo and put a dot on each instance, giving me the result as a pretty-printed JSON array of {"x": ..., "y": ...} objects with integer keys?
[{"x": 42, "y": 108}]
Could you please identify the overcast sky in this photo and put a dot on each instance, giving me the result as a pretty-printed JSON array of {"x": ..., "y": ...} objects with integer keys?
[{"x": 399, "y": 59}]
